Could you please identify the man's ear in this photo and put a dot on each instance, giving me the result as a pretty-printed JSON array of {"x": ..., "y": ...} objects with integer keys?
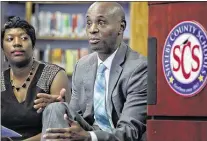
[{"x": 122, "y": 27}]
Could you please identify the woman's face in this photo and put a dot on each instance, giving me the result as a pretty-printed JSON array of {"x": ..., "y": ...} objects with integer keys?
[{"x": 17, "y": 46}]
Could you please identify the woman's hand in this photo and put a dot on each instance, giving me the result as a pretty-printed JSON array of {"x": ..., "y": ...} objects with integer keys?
[{"x": 45, "y": 99}]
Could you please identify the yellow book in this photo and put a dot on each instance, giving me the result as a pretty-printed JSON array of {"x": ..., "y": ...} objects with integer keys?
[
  {"x": 56, "y": 55},
  {"x": 71, "y": 59}
]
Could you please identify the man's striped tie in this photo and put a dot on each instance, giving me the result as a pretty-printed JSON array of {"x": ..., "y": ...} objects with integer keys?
[{"x": 100, "y": 113}]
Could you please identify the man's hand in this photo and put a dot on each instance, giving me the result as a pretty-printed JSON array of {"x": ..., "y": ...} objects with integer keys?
[
  {"x": 74, "y": 133},
  {"x": 45, "y": 99}
]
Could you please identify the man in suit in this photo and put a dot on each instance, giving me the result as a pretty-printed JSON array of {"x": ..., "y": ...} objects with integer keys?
[{"x": 109, "y": 86}]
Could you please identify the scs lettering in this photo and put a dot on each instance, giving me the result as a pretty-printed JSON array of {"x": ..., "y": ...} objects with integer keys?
[{"x": 181, "y": 60}]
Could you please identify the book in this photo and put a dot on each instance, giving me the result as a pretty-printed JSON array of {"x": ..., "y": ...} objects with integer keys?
[
  {"x": 71, "y": 59},
  {"x": 56, "y": 55},
  {"x": 59, "y": 24},
  {"x": 6, "y": 132}
]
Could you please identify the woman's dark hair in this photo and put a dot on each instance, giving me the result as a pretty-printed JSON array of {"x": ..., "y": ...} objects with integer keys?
[{"x": 16, "y": 22}]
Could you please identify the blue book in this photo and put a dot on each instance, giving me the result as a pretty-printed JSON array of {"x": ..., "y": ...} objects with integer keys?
[{"x": 6, "y": 132}]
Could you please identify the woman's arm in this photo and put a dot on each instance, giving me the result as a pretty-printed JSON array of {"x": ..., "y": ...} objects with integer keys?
[{"x": 61, "y": 81}]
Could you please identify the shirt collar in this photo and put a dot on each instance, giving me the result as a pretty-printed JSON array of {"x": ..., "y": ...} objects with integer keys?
[{"x": 108, "y": 61}]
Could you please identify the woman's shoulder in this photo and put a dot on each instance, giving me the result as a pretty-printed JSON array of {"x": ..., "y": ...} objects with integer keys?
[
  {"x": 47, "y": 73},
  {"x": 49, "y": 66}
]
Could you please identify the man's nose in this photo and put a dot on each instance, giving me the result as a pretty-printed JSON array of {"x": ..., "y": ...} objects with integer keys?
[
  {"x": 17, "y": 42},
  {"x": 93, "y": 29}
]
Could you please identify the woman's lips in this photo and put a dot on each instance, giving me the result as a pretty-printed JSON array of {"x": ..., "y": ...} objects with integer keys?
[{"x": 18, "y": 53}]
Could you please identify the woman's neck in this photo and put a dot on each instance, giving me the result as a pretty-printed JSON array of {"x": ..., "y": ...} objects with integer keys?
[{"x": 21, "y": 73}]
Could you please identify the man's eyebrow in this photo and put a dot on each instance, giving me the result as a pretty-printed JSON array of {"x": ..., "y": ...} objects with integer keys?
[{"x": 100, "y": 16}]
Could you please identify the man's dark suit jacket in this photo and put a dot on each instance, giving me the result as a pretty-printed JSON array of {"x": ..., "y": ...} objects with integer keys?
[{"x": 127, "y": 93}]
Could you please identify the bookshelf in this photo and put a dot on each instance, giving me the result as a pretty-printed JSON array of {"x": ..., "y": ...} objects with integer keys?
[
  {"x": 66, "y": 38},
  {"x": 60, "y": 38},
  {"x": 72, "y": 8},
  {"x": 69, "y": 44},
  {"x": 61, "y": 2}
]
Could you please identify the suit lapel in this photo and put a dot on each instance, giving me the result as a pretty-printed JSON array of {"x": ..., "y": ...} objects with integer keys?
[
  {"x": 90, "y": 75},
  {"x": 115, "y": 71}
]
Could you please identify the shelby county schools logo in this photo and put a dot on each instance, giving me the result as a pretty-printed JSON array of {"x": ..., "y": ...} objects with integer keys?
[{"x": 184, "y": 58}]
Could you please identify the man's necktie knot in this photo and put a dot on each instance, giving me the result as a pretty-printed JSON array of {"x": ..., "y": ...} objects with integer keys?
[{"x": 101, "y": 68}]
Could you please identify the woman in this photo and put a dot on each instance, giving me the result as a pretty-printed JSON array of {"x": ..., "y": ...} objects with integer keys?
[{"x": 28, "y": 85}]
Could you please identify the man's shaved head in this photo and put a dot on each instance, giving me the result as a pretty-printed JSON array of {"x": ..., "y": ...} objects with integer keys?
[{"x": 110, "y": 8}]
